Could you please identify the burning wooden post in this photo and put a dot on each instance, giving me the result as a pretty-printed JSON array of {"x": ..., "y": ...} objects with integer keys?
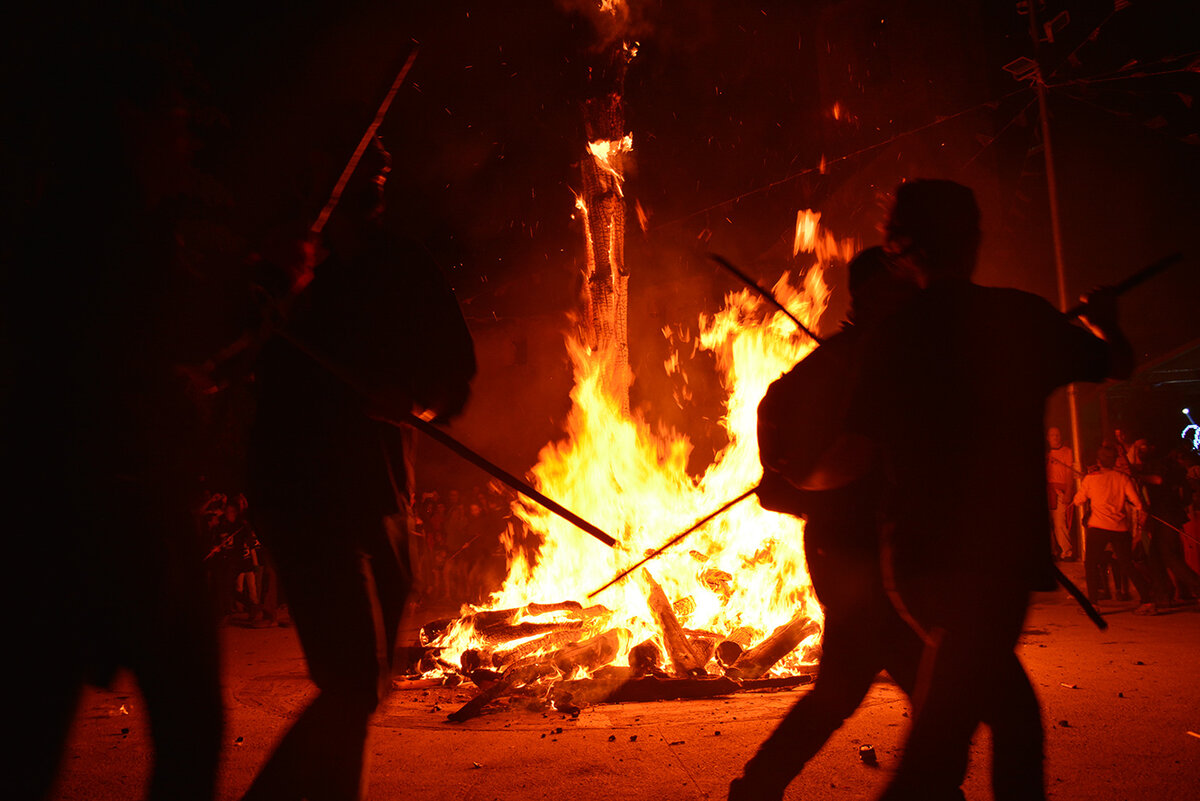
[{"x": 602, "y": 203}]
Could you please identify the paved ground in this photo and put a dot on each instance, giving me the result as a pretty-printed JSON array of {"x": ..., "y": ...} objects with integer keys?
[{"x": 1119, "y": 706}]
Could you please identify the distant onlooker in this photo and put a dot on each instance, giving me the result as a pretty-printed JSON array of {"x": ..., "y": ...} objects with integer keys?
[
  {"x": 1060, "y": 481},
  {"x": 1164, "y": 483},
  {"x": 235, "y": 561}
]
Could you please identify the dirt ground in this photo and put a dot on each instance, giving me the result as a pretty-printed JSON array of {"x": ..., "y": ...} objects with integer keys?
[{"x": 1121, "y": 711}]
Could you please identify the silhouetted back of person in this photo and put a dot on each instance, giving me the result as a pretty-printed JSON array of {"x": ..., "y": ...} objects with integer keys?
[
  {"x": 953, "y": 394},
  {"x": 377, "y": 329}
]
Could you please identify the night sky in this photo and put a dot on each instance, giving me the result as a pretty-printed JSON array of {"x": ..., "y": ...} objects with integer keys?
[{"x": 731, "y": 107}]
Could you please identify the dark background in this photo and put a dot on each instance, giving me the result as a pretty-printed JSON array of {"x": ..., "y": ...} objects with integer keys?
[{"x": 731, "y": 107}]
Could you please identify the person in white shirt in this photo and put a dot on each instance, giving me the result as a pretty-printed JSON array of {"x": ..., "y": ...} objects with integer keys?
[
  {"x": 1059, "y": 481},
  {"x": 1107, "y": 494}
]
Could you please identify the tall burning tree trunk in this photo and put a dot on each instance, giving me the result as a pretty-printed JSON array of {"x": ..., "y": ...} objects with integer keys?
[{"x": 606, "y": 293}]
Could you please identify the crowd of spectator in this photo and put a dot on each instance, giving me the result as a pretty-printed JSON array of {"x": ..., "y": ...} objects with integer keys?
[
  {"x": 241, "y": 580},
  {"x": 463, "y": 542},
  {"x": 1140, "y": 516},
  {"x": 461, "y": 545}
]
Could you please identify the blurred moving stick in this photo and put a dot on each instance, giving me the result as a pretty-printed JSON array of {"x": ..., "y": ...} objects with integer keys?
[
  {"x": 763, "y": 293},
  {"x": 352, "y": 164},
  {"x": 435, "y": 433},
  {"x": 1089, "y": 609},
  {"x": 698, "y": 524},
  {"x": 1140, "y": 277}
]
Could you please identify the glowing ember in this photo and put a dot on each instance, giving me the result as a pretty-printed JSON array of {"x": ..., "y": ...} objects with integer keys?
[{"x": 744, "y": 570}]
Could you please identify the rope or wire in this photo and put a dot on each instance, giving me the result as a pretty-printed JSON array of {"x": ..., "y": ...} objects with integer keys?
[
  {"x": 998, "y": 134},
  {"x": 837, "y": 159}
]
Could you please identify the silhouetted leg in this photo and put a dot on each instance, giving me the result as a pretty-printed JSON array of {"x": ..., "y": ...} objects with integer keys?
[
  {"x": 1168, "y": 548},
  {"x": 166, "y": 616},
  {"x": 177, "y": 673},
  {"x": 965, "y": 673},
  {"x": 335, "y": 602},
  {"x": 1097, "y": 540},
  {"x": 1018, "y": 770},
  {"x": 849, "y": 664},
  {"x": 1121, "y": 542},
  {"x": 51, "y": 680}
]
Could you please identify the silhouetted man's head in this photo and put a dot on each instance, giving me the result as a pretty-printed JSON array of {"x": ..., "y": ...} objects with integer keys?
[
  {"x": 876, "y": 289},
  {"x": 1106, "y": 456},
  {"x": 934, "y": 228}
]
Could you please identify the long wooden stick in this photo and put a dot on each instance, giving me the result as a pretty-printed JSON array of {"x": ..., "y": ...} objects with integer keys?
[
  {"x": 435, "y": 433},
  {"x": 763, "y": 293},
  {"x": 352, "y": 164},
  {"x": 1140, "y": 277},
  {"x": 724, "y": 508},
  {"x": 407, "y": 419}
]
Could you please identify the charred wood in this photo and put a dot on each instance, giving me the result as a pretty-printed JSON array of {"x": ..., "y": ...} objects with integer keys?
[
  {"x": 511, "y": 679},
  {"x": 703, "y": 648},
  {"x": 645, "y": 657},
  {"x": 758, "y": 660},
  {"x": 551, "y": 641},
  {"x": 647, "y": 688},
  {"x": 434, "y": 629},
  {"x": 679, "y": 651},
  {"x": 780, "y": 683},
  {"x": 502, "y": 633},
  {"x": 732, "y": 647},
  {"x": 591, "y": 653}
]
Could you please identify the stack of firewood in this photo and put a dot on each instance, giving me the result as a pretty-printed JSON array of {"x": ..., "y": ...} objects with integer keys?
[{"x": 568, "y": 655}]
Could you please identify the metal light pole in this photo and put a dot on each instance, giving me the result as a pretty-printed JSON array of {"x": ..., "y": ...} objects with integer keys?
[{"x": 1064, "y": 302}]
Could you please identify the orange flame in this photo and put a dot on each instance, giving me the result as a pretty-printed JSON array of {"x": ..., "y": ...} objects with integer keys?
[{"x": 743, "y": 569}]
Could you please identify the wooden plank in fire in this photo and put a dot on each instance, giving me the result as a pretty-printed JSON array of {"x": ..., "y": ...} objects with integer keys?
[
  {"x": 513, "y": 678},
  {"x": 683, "y": 658},
  {"x": 590, "y": 653}
]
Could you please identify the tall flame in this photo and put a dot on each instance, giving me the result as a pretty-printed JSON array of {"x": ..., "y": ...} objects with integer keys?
[{"x": 744, "y": 569}]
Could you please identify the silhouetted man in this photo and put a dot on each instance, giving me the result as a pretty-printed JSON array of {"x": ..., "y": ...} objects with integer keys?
[
  {"x": 377, "y": 329},
  {"x": 953, "y": 394},
  {"x": 806, "y": 474},
  {"x": 799, "y": 420},
  {"x": 101, "y": 439}
]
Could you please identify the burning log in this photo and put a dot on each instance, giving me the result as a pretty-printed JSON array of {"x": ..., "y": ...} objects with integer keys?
[
  {"x": 434, "y": 629},
  {"x": 718, "y": 581},
  {"x": 590, "y": 653},
  {"x": 513, "y": 678},
  {"x": 502, "y": 633},
  {"x": 648, "y": 688},
  {"x": 555, "y": 639},
  {"x": 645, "y": 657},
  {"x": 733, "y": 646},
  {"x": 684, "y": 607},
  {"x": 679, "y": 650},
  {"x": 759, "y": 659},
  {"x": 703, "y": 648}
]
